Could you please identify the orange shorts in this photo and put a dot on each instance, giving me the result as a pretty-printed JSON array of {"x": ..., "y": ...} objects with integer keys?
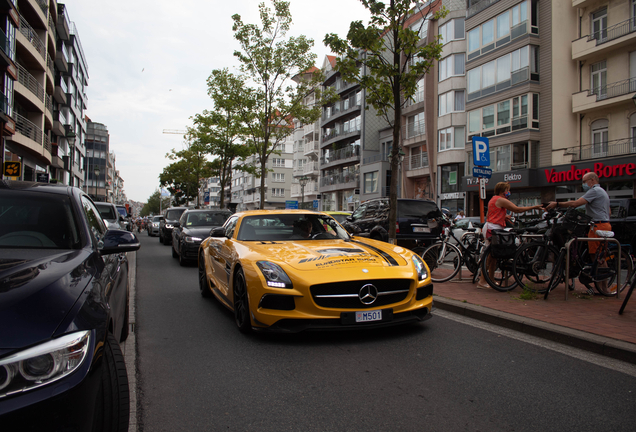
[{"x": 594, "y": 245}]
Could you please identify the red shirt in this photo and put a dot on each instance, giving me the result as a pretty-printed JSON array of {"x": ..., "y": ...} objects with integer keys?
[{"x": 496, "y": 215}]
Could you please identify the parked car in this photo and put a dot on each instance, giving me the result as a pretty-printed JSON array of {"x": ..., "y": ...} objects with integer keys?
[
  {"x": 264, "y": 267},
  {"x": 153, "y": 225},
  {"x": 63, "y": 311},
  {"x": 109, "y": 214},
  {"x": 192, "y": 228},
  {"x": 127, "y": 222},
  {"x": 623, "y": 220},
  {"x": 170, "y": 216},
  {"x": 417, "y": 221}
]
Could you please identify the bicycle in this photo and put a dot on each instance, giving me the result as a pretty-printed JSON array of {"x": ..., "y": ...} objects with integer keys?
[{"x": 466, "y": 252}]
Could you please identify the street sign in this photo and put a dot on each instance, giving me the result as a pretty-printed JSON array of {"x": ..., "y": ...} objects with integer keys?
[
  {"x": 481, "y": 151},
  {"x": 12, "y": 169},
  {"x": 315, "y": 204},
  {"x": 42, "y": 177},
  {"x": 291, "y": 204},
  {"x": 482, "y": 172},
  {"x": 482, "y": 188}
]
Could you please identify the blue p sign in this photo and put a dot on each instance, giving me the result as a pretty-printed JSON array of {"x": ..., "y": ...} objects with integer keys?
[{"x": 481, "y": 151}]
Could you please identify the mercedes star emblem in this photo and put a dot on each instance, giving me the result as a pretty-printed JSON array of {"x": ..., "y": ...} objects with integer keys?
[{"x": 368, "y": 294}]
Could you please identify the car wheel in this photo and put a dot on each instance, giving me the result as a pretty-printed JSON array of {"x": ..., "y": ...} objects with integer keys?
[
  {"x": 113, "y": 398},
  {"x": 125, "y": 328},
  {"x": 241, "y": 303},
  {"x": 174, "y": 252},
  {"x": 182, "y": 261},
  {"x": 203, "y": 279}
]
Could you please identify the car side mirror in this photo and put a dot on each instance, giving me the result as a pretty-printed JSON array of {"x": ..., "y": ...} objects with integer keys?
[
  {"x": 350, "y": 218},
  {"x": 176, "y": 225},
  {"x": 118, "y": 241},
  {"x": 217, "y": 232}
]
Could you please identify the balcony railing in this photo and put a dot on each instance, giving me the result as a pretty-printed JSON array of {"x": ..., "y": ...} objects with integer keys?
[
  {"x": 614, "y": 32},
  {"x": 335, "y": 133},
  {"x": 27, "y": 80},
  {"x": 343, "y": 153},
  {"x": 43, "y": 5},
  {"x": 32, "y": 36},
  {"x": 28, "y": 128},
  {"x": 5, "y": 45},
  {"x": 411, "y": 130},
  {"x": 619, "y": 147},
  {"x": 334, "y": 179},
  {"x": 52, "y": 28},
  {"x": 418, "y": 161},
  {"x": 615, "y": 89}
]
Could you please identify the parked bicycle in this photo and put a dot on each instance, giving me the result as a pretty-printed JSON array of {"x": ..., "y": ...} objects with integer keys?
[{"x": 444, "y": 258}]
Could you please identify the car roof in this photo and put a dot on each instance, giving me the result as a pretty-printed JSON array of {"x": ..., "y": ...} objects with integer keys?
[
  {"x": 273, "y": 212},
  {"x": 26, "y": 185}
]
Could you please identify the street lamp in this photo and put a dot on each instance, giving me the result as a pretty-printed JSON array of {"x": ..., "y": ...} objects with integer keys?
[
  {"x": 96, "y": 171},
  {"x": 303, "y": 182},
  {"x": 70, "y": 139}
]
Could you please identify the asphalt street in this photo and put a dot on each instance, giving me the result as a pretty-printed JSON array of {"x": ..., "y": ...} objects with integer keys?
[{"x": 196, "y": 372}]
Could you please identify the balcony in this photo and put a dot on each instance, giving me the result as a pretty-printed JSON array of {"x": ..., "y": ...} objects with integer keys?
[
  {"x": 335, "y": 135},
  {"x": 52, "y": 33},
  {"x": 62, "y": 26},
  {"x": 32, "y": 38},
  {"x": 310, "y": 168},
  {"x": 30, "y": 83},
  {"x": 618, "y": 36},
  {"x": 60, "y": 92},
  {"x": 602, "y": 97},
  {"x": 414, "y": 131},
  {"x": 61, "y": 58},
  {"x": 417, "y": 161},
  {"x": 311, "y": 148},
  {"x": 339, "y": 181},
  {"x": 28, "y": 129},
  {"x": 340, "y": 156},
  {"x": 619, "y": 147}
]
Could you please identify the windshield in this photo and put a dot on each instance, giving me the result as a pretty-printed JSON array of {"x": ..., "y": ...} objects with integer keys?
[
  {"x": 207, "y": 218},
  {"x": 106, "y": 211},
  {"x": 122, "y": 211},
  {"x": 157, "y": 218},
  {"x": 174, "y": 214},
  {"x": 418, "y": 209},
  {"x": 297, "y": 226},
  {"x": 37, "y": 221}
]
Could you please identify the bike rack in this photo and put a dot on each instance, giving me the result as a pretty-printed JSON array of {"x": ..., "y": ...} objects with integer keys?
[{"x": 567, "y": 261}]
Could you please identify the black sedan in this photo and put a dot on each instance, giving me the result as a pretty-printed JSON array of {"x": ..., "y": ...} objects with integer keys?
[
  {"x": 63, "y": 312},
  {"x": 193, "y": 227}
]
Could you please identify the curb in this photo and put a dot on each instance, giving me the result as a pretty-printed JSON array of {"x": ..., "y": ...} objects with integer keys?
[
  {"x": 612, "y": 348},
  {"x": 130, "y": 346}
]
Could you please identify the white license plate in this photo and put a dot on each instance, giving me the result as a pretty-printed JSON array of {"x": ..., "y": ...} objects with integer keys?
[
  {"x": 421, "y": 229},
  {"x": 367, "y": 316}
]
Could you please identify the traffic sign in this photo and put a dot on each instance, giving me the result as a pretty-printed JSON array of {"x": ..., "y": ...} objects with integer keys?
[
  {"x": 481, "y": 151},
  {"x": 482, "y": 172},
  {"x": 291, "y": 205},
  {"x": 482, "y": 188},
  {"x": 315, "y": 204}
]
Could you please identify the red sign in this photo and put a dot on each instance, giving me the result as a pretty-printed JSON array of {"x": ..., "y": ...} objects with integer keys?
[{"x": 601, "y": 170}]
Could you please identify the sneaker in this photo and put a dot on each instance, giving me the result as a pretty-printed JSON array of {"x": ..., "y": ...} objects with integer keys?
[
  {"x": 482, "y": 286},
  {"x": 612, "y": 290}
]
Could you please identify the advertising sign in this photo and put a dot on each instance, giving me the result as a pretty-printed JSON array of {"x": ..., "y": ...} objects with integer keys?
[{"x": 12, "y": 169}]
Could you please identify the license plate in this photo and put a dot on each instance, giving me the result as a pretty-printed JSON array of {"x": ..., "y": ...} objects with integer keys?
[
  {"x": 421, "y": 229},
  {"x": 368, "y": 316}
]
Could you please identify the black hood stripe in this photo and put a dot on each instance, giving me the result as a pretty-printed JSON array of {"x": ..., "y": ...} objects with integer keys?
[{"x": 388, "y": 258}]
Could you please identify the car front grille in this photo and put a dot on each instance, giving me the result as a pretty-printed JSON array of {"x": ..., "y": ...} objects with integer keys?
[{"x": 346, "y": 295}]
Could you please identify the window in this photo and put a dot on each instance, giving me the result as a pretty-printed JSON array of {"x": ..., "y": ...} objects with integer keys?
[
  {"x": 415, "y": 125},
  {"x": 500, "y": 30},
  {"x": 503, "y": 25},
  {"x": 488, "y": 32},
  {"x": 519, "y": 13},
  {"x": 371, "y": 182},
  {"x": 599, "y": 79},
  {"x": 503, "y": 69},
  {"x": 278, "y": 162},
  {"x": 600, "y": 138},
  {"x": 511, "y": 115},
  {"x": 503, "y": 113},
  {"x": 451, "y": 138},
  {"x": 418, "y": 96},
  {"x": 421, "y": 28},
  {"x": 599, "y": 24},
  {"x": 632, "y": 128},
  {"x": 452, "y": 101},
  {"x": 473, "y": 39},
  {"x": 488, "y": 75},
  {"x": 503, "y": 158},
  {"x": 452, "y": 30},
  {"x": 278, "y": 177},
  {"x": 278, "y": 192},
  {"x": 451, "y": 66}
]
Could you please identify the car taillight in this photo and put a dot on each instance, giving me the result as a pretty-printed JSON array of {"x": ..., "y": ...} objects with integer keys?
[{"x": 397, "y": 228}]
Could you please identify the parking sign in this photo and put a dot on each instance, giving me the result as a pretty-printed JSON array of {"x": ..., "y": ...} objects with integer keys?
[{"x": 481, "y": 151}]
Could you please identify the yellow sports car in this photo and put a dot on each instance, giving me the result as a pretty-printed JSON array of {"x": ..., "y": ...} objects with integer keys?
[{"x": 293, "y": 270}]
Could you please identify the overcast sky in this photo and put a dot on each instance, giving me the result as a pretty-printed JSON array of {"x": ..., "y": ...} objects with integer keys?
[{"x": 148, "y": 62}]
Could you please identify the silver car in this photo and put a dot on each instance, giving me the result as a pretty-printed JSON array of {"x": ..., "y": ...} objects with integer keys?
[
  {"x": 153, "y": 225},
  {"x": 109, "y": 214}
]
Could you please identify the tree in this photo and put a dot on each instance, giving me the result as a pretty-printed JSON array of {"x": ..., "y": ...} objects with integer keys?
[
  {"x": 183, "y": 177},
  {"x": 269, "y": 60},
  {"x": 393, "y": 59},
  {"x": 221, "y": 129},
  {"x": 152, "y": 206}
]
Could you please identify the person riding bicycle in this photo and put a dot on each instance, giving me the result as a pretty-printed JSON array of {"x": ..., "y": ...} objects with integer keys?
[
  {"x": 497, "y": 217},
  {"x": 597, "y": 206}
]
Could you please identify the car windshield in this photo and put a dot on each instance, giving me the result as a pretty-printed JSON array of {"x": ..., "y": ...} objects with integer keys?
[
  {"x": 207, "y": 218},
  {"x": 157, "y": 218},
  {"x": 122, "y": 211},
  {"x": 296, "y": 226},
  {"x": 174, "y": 214},
  {"x": 106, "y": 211},
  {"x": 37, "y": 221},
  {"x": 418, "y": 209}
]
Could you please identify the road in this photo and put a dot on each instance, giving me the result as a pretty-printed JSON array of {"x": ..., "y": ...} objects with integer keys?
[{"x": 196, "y": 372}]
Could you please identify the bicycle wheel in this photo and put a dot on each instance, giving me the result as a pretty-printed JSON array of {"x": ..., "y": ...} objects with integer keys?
[
  {"x": 443, "y": 261},
  {"x": 500, "y": 278},
  {"x": 605, "y": 280},
  {"x": 470, "y": 256},
  {"x": 558, "y": 273},
  {"x": 533, "y": 265}
]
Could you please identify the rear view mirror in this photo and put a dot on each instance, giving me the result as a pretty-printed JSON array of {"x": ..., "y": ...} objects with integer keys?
[{"x": 217, "y": 232}]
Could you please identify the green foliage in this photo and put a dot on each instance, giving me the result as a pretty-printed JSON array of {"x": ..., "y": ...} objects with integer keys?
[
  {"x": 269, "y": 102},
  {"x": 392, "y": 60},
  {"x": 152, "y": 207}
]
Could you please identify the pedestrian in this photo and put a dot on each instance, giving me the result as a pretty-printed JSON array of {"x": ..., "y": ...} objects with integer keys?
[
  {"x": 597, "y": 206},
  {"x": 459, "y": 216},
  {"x": 497, "y": 217}
]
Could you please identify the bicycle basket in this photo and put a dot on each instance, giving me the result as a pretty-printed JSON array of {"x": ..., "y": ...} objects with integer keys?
[
  {"x": 502, "y": 244},
  {"x": 576, "y": 223}
]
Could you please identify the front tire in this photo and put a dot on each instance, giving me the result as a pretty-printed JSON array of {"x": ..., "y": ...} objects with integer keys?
[
  {"x": 502, "y": 278},
  {"x": 443, "y": 261},
  {"x": 241, "y": 303},
  {"x": 113, "y": 399},
  {"x": 533, "y": 266}
]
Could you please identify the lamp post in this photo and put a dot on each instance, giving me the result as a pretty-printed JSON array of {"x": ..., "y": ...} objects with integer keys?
[
  {"x": 70, "y": 139},
  {"x": 96, "y": 171},
  {"x": 303, "y": 182}
]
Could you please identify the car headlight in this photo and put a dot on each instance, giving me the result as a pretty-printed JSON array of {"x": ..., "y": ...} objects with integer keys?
[
  {"x": 422, "y": 271},
  {"x": 274, "y": 275},
  {"x": 43, "y": 364},
  {"x": 190, "y": 239},
  {"x": 169, "y": 226}
]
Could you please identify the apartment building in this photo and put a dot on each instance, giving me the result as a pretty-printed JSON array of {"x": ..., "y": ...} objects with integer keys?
[
  {"x": 99, "y": 166},
  {"x": 9, "y": 22}
]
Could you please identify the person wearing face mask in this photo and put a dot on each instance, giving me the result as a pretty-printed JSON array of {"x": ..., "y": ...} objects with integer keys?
[
  {"x": 497, "y": 217},
  {"x": 597, "y": 206}
]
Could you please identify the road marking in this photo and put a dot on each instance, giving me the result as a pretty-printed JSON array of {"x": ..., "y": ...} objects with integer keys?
[{"x": 590, "y": 357}]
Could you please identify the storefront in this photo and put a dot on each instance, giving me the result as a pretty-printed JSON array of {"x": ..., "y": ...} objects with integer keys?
[{"x": 563, "y": 182}]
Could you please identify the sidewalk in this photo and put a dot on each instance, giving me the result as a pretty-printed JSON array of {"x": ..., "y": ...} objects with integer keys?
[{"x": 587, "y": 322}]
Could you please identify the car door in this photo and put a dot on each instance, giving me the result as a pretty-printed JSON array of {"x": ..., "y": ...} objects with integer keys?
[
  {"x": 221, "y": 252},
  {"x": 357, "y": 215},
  {"x": 177, "y": 232}
]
